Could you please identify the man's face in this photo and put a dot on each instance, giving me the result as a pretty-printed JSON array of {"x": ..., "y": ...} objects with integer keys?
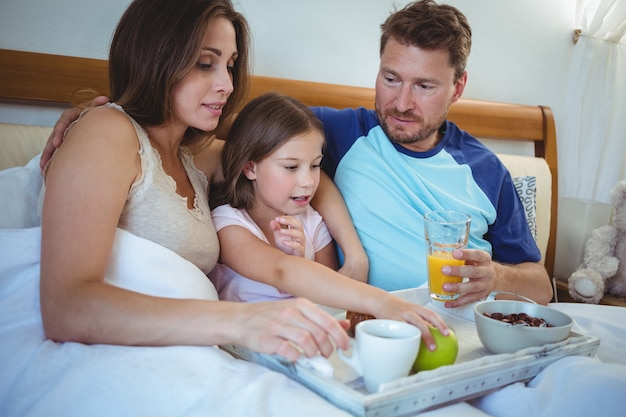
[{"x": 414, "y": 90}]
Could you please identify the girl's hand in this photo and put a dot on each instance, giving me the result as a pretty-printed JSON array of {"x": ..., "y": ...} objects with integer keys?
[
  {"x": 392, "y": 307},
  {"x": 289, "y": 235}
]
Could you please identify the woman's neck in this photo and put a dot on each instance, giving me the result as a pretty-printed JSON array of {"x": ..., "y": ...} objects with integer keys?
[{"x": 166, "y": 139}]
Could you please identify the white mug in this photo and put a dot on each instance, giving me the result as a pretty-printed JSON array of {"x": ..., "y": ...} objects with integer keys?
[{"x": 385, "y": 350}]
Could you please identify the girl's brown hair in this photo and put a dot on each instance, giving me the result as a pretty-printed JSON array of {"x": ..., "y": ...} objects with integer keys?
[
  {"x": 264, "y": 124},
  {"x": 156, "y": 43}
]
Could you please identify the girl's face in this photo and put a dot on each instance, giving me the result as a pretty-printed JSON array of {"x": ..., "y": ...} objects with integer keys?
[
  {"x": 286, "y": 180},
  {"x": 201, "y": 95}
]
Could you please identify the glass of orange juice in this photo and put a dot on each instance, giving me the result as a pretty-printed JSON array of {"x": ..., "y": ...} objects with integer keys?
[{"x": 444, "y": 231}]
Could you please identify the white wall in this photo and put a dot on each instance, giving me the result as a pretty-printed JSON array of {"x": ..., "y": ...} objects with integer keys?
[{"x": 521, "y": 49}]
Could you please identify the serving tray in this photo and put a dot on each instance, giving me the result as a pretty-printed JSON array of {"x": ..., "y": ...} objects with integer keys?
[{"x": 475, "y": 373}]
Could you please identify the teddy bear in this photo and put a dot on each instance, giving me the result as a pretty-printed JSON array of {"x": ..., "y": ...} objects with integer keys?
[{"x": 604, "y": 263}]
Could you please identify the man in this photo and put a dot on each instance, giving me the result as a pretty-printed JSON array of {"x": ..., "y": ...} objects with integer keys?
[{"x": 396, "y": 163}]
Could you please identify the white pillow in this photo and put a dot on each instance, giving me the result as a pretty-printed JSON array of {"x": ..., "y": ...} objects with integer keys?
[
  {"x": 526, "y": 188},
  {"x": 520, "y": 166},
  {"x": 19, "y": 196}
]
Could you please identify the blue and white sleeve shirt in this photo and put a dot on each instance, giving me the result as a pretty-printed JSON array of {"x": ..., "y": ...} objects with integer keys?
[{"x": 389, "y": 188}]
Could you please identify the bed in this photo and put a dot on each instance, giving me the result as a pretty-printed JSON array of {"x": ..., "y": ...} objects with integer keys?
[
  {"x": 179, "y": 380},
  {"x": 27, "y": 77}
]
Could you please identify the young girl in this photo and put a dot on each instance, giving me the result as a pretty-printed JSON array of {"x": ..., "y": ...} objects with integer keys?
[
  {"x": 276, "y": 145},
  {"x": 272, "y": 243}
]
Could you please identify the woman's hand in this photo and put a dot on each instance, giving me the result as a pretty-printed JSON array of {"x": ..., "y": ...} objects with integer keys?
[
  {"x": 291, "y": 328},
  {"x": 65, "y": 120},
  {"x": 289, "y": 235}
]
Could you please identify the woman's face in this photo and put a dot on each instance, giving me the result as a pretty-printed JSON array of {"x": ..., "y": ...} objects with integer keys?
[
  {"x": 202, "y": 94},
  {"x": 286, "y": 180}
]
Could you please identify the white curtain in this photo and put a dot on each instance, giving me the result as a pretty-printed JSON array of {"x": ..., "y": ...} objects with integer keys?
[{"x": 592, "y": 145}]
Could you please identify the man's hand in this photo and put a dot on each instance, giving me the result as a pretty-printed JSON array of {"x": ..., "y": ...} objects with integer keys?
[
  {"x": 65, "y": 120},
  {"x": 484, "y": 275}
]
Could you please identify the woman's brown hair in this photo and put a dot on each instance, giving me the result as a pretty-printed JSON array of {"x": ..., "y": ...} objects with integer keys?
[
  {"x": 264, "y": 124},
  {"x": 156, "y": 43}
]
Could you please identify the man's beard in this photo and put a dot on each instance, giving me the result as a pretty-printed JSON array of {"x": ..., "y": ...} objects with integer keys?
[{"x": 407, "y": 138}]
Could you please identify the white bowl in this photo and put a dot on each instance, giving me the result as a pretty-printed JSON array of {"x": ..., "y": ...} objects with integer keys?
[{"x": 500, "y": 337}]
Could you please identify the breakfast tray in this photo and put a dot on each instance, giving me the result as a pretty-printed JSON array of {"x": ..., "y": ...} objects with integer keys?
[{"x": 476, "y": 371}]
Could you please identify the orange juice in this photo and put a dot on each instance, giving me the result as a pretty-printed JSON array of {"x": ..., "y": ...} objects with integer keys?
[{"x": 436, "y": 279}]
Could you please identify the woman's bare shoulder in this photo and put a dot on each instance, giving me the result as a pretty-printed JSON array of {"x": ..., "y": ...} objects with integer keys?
[
  {"x": 102, "y": 137},
  {"x": 104, "y": 126},
  {"x": 107, "y": 118}
]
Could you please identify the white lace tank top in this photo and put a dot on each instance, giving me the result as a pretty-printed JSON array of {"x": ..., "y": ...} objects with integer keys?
[{"x": 156, "y": 212}]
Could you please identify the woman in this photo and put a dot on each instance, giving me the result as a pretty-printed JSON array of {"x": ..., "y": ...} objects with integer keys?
[
  {"x": 128, "y": 165},
  {"x": 173, "y": 71}
]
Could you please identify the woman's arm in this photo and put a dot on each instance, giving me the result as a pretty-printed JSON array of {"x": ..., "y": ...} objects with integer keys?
[
  {"x": 87, "y": 185},
  {"x": 329, "y": 203}
]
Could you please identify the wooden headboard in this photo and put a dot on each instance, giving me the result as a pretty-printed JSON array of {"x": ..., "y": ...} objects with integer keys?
[{"x": 35, "y": 77}]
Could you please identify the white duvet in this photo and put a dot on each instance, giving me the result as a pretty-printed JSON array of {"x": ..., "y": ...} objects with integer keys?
[{"x": 39, "y": 377}]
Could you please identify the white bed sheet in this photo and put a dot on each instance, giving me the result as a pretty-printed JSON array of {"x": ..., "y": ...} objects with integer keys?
[
  {"x": 573, "y": 386},
  {"x": 39, "y": 377}
]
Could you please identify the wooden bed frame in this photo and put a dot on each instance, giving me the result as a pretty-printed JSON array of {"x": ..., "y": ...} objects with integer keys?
[{"x": 34, "y": 77}]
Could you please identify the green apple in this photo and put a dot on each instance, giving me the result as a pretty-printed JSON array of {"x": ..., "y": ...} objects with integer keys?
[{"x": 445, "y": 354}]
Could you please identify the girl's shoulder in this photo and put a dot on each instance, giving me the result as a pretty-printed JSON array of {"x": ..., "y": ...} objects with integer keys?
[
  {"x": 223, "y": 210},
  {"x": 312, "y": 220},
  {"x": 227, "y": 215}
]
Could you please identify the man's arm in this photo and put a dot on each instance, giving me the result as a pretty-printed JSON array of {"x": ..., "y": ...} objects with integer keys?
[
  {"x": 529, "y": 279},
  {"x": 329, "y": 202}
]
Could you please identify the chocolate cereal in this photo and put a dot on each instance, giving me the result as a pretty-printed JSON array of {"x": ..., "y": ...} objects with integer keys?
[{"x": 518, "y": 319}]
